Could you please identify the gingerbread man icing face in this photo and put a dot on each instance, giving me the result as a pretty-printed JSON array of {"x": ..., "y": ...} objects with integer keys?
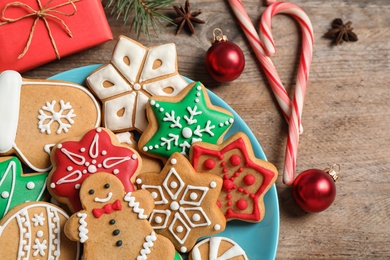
[{"x": 100, "y": 194}]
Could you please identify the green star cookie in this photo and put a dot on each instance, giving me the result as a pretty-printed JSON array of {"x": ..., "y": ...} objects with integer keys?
[
  {"x": 16, "y": 187},
  {"x": 175, "y": 123}
]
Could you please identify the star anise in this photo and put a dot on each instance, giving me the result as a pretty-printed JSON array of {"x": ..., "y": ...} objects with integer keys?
[
  {"x": 341, "y": 32},
  {"x": 186, "y": 17}
]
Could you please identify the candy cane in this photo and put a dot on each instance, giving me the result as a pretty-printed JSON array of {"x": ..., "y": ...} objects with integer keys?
[
  {"x": 289, "y": 110},
  {"x": 302, "y": 77},
  {"x": 266, "y": 63}
]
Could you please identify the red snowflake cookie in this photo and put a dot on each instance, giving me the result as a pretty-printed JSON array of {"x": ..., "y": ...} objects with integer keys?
[
  {"x": 76, "y": 159},
  {"x": 245, "y": 178}
]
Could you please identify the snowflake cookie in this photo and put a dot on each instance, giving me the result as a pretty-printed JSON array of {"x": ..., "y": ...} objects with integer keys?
[
  {"x": 75, "y": 159},
  {"x": 13, "y": 183},
  {"x": 36, "y": 114},
  {"x": 134, "y": 74},
  {"x": 221, "y": 248},
  {"x": 114, "y": 224},
  {"x": 35, "y": 230},
  {"x": 178, "y": 122},
  {"x": 245, "y": 178},
  {"x": 185, "y": 202}
]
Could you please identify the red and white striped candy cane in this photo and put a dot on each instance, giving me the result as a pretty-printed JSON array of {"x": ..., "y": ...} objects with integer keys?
[
  {"x": 265, "y": 62},
  {"x": 291, "y": 110},
  {"x": 302, "y": 77}
]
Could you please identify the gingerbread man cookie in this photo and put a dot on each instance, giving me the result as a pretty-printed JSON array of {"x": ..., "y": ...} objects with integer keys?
[
  {"x": 114, "y": 224},
  {"x": 36, "y": 114},
  {"x": 175, "y": 123},
  {"x": 35, "y": 230},
  {"x": 134, "y": 74},
  {"x": 17, "y": 187},
  {"x": 76, "y": 158},
  {"x": 246, "y": 178},
  {"x": 185, "y": 202}
]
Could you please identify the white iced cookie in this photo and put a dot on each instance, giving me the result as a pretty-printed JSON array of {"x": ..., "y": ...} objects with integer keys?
[
  {"x": 134, "y": 74},
  {"x": 221, "y": 248}
]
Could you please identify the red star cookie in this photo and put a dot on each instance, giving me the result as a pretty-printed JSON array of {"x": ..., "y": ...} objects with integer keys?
[
  {"x": 245, "y": 178},
  {"x": 185, "y": 202},
  {"x": 77, "y": 158}
]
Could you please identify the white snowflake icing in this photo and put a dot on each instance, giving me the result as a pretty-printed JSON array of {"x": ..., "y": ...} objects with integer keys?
[
  {"x": 38, "y": 219},
  {"x": 39, "y": 247},
  {"x": 48, "y": 115},
  {"x": 186, "y": 208}
]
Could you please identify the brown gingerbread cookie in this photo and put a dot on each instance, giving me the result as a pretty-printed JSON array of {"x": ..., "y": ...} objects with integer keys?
[
  {"x": 245, "y": 178},
  {"x": 114, "y": 224},
  {"x": 36, "y": 114},
  {"x": 35, "y": 230},
  {"x": 185, "y": 202}
]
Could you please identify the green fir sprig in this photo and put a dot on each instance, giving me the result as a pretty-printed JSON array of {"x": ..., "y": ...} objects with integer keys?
[{"x": 145, "y": 14}]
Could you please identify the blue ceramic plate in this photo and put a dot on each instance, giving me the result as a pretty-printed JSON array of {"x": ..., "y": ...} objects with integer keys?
[{"x": 259, "y": 240}]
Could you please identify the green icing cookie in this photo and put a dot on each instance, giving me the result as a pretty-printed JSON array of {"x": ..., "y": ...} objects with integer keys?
[
  {"x": 16, "y": 187},
  {"x": 184, "y": 122}
]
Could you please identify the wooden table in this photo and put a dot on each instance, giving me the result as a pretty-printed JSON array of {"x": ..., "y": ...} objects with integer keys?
[{"x": 346, "y": 117}]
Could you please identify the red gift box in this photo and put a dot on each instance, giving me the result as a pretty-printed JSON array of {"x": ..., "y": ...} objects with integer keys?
[{"x": 35, "y": 32}]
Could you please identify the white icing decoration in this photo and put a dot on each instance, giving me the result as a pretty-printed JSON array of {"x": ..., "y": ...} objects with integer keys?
[
  {"x": 48, "y": 115},
  {"x": 147, "y": 246},
  {"x": 135, "y": 206},
  {"x": 196, "y": 217},
  {"x": 30, "y": 185},
  {"x": 186, "y": 228},
  {"x": 103, "y": 200},
  {"x": 83, "y": 231},
  {"x": 124, "y": 138},
  {"x": 173, "y": 174},
  {"x": 213, "y": 184},
  {"x": 183, "y": 249},
  {"x": 40, "y": 233},
  {"x": 38, "y": 219},
  {"x": 217, "y": 227},
  {"x": 39, "y": 247},
  {"x": 5, "y": 194},
  {"x": 165, "y": 213},
  {"x": 174, "y": 206},
  {"x": 179, "y": 229}
]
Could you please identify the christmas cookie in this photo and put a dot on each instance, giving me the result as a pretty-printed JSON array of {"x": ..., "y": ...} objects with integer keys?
[
  {"x": 178, "y": 122},
  {"x": 221, "y": 248},
  {"x": 35, "y": 230},
  {"x": 134, "y": 74},
  {"x": 185, "y": 202},
  {"x": 77, "y": 158},
  {"x": 114, "y": 224},
  {"x": 245, "y": 178},
  {"x": 17, "y": 187},
  {"x": 35, "y": 114},
  {"x": 149, "y": 164}
]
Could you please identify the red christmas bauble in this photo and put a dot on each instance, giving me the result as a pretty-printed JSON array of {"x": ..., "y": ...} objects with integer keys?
[
  {"x": 224, "y": 61},
  {"x": 314, "y": 190}
]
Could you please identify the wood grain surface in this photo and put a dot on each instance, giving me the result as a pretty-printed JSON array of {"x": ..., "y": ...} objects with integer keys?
[{"x": 346, "y": 117}]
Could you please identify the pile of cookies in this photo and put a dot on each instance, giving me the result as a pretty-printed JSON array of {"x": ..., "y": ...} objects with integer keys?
[{"x": 136, "y": 166}]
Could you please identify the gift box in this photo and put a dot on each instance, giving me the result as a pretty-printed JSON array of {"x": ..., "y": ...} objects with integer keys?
[{"x": 35, "y": 32}]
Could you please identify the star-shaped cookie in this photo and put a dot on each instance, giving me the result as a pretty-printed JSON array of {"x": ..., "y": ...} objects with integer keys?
[
  {"x": 245, "y": 178},
  {"x": 185, "y": 202},
  {"x": 175, "y": 123}
]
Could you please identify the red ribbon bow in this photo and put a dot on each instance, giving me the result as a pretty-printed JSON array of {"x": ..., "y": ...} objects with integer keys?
[
  {"x": 107, "y": 209},
  {"x": 43, "y": 12}
]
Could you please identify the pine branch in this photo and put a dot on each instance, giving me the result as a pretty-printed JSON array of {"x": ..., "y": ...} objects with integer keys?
[{"x": 145, "y": 14}]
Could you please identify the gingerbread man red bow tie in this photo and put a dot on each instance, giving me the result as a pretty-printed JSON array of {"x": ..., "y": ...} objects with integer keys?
[{"x": 107, "y": 209}]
